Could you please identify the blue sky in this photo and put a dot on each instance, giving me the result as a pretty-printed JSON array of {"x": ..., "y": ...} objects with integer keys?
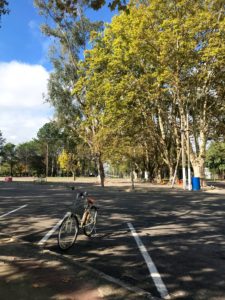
[
  {"x": 20, "y": 38},
  {"x": 24, "y": 70}
]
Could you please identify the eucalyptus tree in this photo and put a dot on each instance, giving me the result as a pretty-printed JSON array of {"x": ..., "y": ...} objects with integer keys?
[
  {"x": 69, "y": 34},
  {"x": 70, "y": 30},
  {"x": 71, "y": 7}
]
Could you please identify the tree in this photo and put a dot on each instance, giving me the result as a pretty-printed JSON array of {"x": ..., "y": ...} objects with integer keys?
[
  {"x": 9, "y": 156},
  {"x": 115, "y": 83},
  {"x": 36, "y": 157},
  {"x": 189, "y": 55},
  {"x": 147, "y": 73},
  {"x": 23, "y": 154},
  {"x": 159, "y": 63},
  {"x": 68, "y": 162},
  {"x": 71, "y": 32},
  {"x": 72, "y": 7},
  {"x": 215, "y": 158},
  {"x": 30, "y": 159},
  {"x": 51, "y": 139}
]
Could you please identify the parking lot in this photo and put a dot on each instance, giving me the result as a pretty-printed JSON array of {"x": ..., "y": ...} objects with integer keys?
[{"x": 169, "y": 243}]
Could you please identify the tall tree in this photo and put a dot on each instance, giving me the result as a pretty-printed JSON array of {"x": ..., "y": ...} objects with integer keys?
[
  {"x": 72, "y": 7},
  {"x": 147, "y": 72},
  {"x": 30, "y": 158},
  {"x": 51, "y": 138},
  {"x": 9, "y": 156},
  {"x": 158, "y": 63},
  {"x": 71, "y": 32},
  {"x": 23, "y": 155},
  {"x": 116, "y": 83}
]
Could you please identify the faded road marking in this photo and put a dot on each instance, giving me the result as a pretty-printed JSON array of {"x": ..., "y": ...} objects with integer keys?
[
  {"x": 12, "y": 211},
  {"x": 150, "y": 264},
  {"x": 47, "y": 236}
]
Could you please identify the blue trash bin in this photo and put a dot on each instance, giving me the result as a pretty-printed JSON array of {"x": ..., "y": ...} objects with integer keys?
[{"x": 195, "y": 184}]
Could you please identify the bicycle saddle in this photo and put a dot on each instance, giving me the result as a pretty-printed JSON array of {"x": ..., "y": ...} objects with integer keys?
[{"x": 82, "y": 194}]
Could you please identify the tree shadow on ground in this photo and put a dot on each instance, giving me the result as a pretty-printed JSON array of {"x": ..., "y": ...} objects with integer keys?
[{"x": 182, "y": 231}]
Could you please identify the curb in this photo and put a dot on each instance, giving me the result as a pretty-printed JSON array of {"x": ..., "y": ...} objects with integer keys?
[
  {"x": 130, "y": 288},
  {"x": 107, "y": 286}
]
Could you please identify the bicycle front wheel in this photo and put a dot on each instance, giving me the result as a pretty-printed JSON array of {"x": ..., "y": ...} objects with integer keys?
[
  {"x": 90, "y": 221},
  {"x": 68, "y": 231}
]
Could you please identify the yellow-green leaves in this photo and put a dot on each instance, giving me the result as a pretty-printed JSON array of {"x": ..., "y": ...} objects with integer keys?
[{"x": 146, "y": 68}]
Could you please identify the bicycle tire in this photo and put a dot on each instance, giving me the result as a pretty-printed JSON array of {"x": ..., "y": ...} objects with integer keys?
[
  {"x": 68, "y": 232},
  {"x": 91, "y": 220}
]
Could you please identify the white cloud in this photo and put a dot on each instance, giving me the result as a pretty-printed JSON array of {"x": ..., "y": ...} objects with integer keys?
[{"x": 22, "y": 107}]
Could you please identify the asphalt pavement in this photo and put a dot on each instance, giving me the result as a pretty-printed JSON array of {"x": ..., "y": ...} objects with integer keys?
[
  {"x": 180, "y": 232},
  {"x": 28, "y": 272}
]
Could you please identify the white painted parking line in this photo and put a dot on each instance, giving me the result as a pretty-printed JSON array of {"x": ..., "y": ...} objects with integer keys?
[
  {"x": 150, "y": 264},
  {"x": 12, "y": 211},
  {"x": 47, "y": 236}
]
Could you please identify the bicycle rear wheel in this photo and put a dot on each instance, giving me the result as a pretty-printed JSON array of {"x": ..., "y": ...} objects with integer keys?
[
  {"x": 90, "y": 223},
  {"x": 68, "y": 231}
]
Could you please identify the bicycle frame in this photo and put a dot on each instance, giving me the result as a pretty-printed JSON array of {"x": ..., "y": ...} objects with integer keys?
[
  {"x": 89, "y": 204},
  {"x": 71, "y": 224}
]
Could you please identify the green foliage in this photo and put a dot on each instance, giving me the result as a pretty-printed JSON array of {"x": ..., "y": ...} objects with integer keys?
[
  {"x": 24, "y": 159},
  {"x": 215, "y": 158},
  {"x": 30, "y": 159},
  {"x": 72, "y": 7},
  {"x": 147, "y": 69},
  {"x": 68, "y": 162},
  {"x": 49, "y": 133},
  {"x": 70, "y": 31},
  {"x": 51, "y": 139},
  {"x": 9, "y": 156},
  {"x": 144, "y": 73}
]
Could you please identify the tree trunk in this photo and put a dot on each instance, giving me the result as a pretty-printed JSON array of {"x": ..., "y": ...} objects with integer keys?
[
  {"x": 132, "y": 179},
  {"x": 11, "y": 169},
  {"x": 166, "y": 153},
  {"x": 171, "y": 172},
  {"x": 52, "y": 167},
  {"x": 159, "y": 177},
  {"x": 199, "y": 169},
  {"x": 198, "y": 159},
  {"x": 101, "y": 172}
]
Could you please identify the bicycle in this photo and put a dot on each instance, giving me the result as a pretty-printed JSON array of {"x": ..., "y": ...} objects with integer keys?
[{"x": 75, "y": 220}]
